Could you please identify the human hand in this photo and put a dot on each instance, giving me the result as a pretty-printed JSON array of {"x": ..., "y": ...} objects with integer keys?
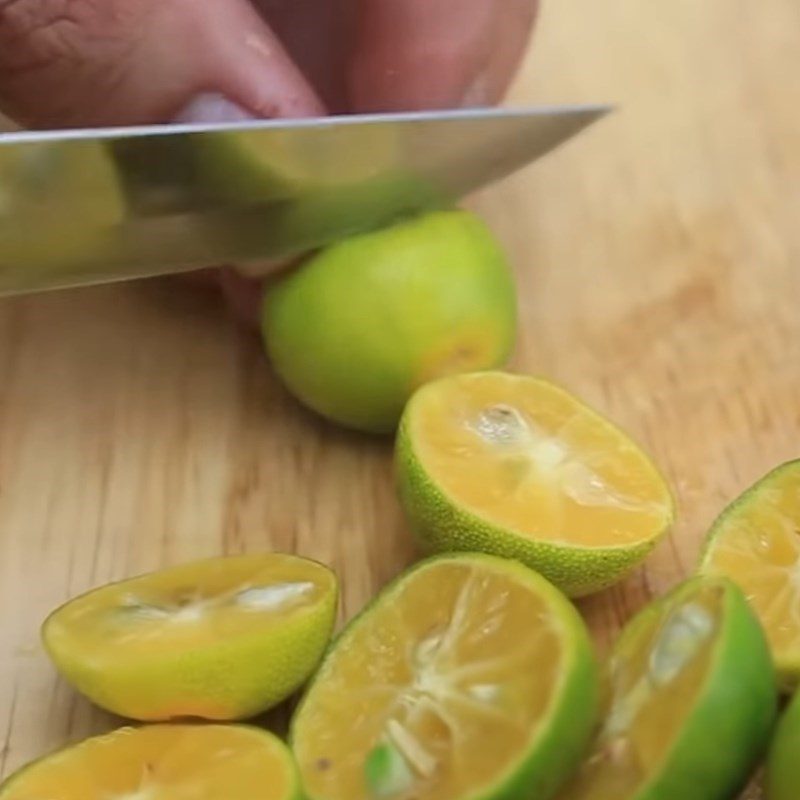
[{"x": 122, "y": 62}]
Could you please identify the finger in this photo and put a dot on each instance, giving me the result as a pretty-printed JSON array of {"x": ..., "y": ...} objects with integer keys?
[
  {"x": 317, "y": 35},
  {"x": 437, "y": 53},
  {"x": 243, "y": 294},
  {"x": 90, "y": 62},
  {"x": 514, "y": 23},
  {"x": 243, "y": 287}
]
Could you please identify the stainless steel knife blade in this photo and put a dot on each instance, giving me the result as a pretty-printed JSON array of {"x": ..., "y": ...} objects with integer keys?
[{"x": 89, "y": 206}]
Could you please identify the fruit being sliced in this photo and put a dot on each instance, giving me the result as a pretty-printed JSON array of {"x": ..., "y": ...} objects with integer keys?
[
  {"x": 469, "y": 677},
  {"x": 691, "y": 701},
  {"x": 224, "y": 638},
  {"x": 782, "y": 777},
  {"x": 515, "y": 466},
  {"x": 248, "y": 168},
  {"x": 756, "y": 543},
  {"x": 164, "y": 762},
  {"x": 357, "y": 328}
]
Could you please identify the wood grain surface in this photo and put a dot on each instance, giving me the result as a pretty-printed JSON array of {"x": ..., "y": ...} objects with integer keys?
[{"x": 659, "y": 270}]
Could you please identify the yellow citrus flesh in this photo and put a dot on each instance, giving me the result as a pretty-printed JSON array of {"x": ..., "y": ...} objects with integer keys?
[
  {"x": 197, "y": 605},
  {"x": 541, "y": 463},
  {"x": 516, "y": 466},
  {"x": 655, "y": 681},
  {"x": 163, "y": 762},
  {"x": 756, "y": 543},
  {"x": 454, "y": 675},
  {"x": 222, "y": 638}
]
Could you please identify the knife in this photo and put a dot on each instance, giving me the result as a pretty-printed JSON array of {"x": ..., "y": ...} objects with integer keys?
[{"x": 92, "y": 206}]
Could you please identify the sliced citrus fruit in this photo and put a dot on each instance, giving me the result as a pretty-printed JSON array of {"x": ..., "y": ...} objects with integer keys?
[
  {"x": 782, "y": 775},
  {"x": 515, "y": 466},
  {"x": 691, "y": 701},
  {"x": 164, "y": 762},
  {"x": 224, "y": 638},
  {"x": 756, "y": 543},
  {"x": 357, "y": 328},
  {"x": 468, "y": 677}
]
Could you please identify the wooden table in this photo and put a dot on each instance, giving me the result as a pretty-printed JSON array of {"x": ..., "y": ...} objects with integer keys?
[{"x": 659, "y": 271}]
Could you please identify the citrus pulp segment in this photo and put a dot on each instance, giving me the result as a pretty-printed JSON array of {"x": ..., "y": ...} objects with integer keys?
[
  {"x": 691, "y": 701},
  {"x": 223, "y": 638},
  {"x": 470, "y": 677},
  {"x": 513, "y": 465},
  {"x": 756, "y": 543},
  {"x": 163, "y": 762},
  {"x": 358, "y": 327}
]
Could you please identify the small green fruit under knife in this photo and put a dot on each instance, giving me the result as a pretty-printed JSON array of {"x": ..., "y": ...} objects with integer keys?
[{"x": 355, "y": 330}]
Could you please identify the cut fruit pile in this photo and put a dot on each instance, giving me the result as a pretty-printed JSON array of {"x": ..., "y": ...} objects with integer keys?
[
  {"x": 164, "y": 762},
  {"x": 220, "y": 639},
  {"x": 516, "y": 466},
  {"x": 472, "y": 676},
  {"x": 469, "y": 677},
  {"x": 692, "y": 694},
  {"x": 756, "y": 542}
]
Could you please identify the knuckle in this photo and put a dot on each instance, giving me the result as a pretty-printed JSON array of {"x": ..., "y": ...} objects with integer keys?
[
  {"x": 64, "y": 45},
  {"x": 36, "y": 31}
]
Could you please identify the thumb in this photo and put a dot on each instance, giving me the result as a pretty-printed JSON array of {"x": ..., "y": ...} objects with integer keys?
[{"x": 124, "y": 62}]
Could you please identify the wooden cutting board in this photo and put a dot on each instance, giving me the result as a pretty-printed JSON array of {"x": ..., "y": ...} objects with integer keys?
[{"x": 659, "y": 269}]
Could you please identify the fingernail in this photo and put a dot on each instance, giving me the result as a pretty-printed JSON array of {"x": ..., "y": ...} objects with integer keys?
[{"x": 212, "y": 107}]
